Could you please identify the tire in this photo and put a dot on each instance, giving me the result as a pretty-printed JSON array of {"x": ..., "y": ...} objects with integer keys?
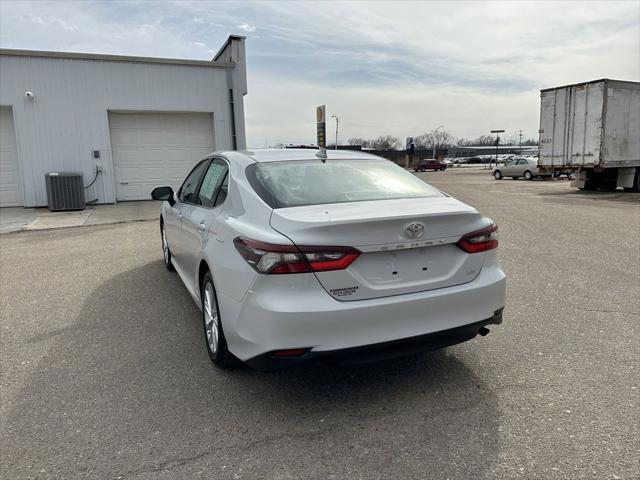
[
  {"x": 636, "y": 182},
  {"x": 528, "y": 175},
  {"x": 212, "y": 325},
  {"x": 166, "y": 252},
  {"x": 442, "y": 169},
  {"x": 497, "y": 175}
]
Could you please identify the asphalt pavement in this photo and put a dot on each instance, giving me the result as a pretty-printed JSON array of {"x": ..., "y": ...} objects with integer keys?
[{"x": 105, "y": 373}]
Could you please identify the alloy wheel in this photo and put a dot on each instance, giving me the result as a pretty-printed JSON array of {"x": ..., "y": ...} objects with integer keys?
[
  {"x": 165, "y": 246},
  {"x": 211, "y": 318}
]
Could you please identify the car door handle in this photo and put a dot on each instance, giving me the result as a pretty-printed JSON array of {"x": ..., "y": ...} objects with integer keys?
[
  {"x": 202, "y": 226},
  {"x": 179, "y": 215}
]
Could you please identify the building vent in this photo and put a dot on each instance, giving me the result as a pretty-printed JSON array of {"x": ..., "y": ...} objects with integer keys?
[{"x": 65, "y": 191}]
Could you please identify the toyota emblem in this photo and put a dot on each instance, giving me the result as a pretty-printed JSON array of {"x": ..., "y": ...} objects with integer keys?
[{"x": 414, "y": 230}]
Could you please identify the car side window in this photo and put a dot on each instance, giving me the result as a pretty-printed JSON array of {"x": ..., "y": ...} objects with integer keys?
[
  {"x": 212, "y": 183},
  {"x": 224, "y": 189},
  {"x": 189, "y": 190}
]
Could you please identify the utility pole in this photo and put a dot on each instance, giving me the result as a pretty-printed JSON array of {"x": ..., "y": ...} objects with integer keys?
[
  {"x": 337, "y": 121},
  {"x": 435, "y": 134},
  {"x": 497, "y": 132},
  {"x": 520, "y": 135}
]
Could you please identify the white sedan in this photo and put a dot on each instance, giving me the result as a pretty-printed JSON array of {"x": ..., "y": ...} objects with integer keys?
[{"x": 292, "y": 257}]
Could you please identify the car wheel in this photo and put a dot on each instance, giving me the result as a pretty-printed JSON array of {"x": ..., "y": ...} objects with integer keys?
[
  {"x": 442, "y": 169},
  {"x": 528, "y": 175},
  {"x": 497, "y": 175},
  {"x": 166, "y": 253},
  {"x": 213, "y": 334}
]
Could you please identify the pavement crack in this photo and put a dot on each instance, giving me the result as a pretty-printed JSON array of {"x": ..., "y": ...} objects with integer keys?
[{"x": 181, "y": 461}]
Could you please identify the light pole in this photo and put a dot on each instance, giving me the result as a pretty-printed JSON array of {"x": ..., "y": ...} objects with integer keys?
[
  {"x": 497, "y": 132},
  {"x": 337, "y": 121},
  {"x": 435, "y": 134}
]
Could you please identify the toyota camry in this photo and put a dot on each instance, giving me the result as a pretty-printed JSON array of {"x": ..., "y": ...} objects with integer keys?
[{"x": 293, "y": 256}]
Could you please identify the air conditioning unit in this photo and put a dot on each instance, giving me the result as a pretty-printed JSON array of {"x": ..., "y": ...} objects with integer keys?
[{"x": 65, "y": 191}]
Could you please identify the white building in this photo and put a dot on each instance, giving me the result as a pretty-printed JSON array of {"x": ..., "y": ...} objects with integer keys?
[{"x": 141, "y": 122}]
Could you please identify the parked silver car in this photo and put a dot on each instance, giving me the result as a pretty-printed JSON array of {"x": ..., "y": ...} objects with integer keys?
[
  {"x": 516, "y": 168},
  {"x": 293, "y": 257}
]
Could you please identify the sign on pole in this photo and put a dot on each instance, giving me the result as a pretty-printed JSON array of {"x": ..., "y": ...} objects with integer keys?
[
  {"x": 321, "y": 127},
  {"x": 410, "y": 145}
]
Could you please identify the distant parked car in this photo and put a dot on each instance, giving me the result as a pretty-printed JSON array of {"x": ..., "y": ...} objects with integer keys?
[
  {"x": 475, "y": 160},
  {"x": 518, "y": 167},
  {"x": 425, "y": 165}
]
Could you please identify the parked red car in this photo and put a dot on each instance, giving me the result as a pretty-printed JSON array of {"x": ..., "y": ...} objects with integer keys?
[{"x": 425, "y": 165}]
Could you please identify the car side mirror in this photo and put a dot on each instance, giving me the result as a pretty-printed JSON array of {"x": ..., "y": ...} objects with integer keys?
[{"x": 164, "y": 194}]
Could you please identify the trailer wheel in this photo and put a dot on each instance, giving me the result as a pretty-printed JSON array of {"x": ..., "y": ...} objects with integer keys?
[{"x": 636, "y": 182}]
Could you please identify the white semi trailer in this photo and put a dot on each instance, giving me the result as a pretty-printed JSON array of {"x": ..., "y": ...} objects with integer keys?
[{"x": 592, "y": 130}]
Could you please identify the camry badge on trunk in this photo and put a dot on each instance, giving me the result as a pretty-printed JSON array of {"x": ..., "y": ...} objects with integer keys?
[{"x": 414, "y": 230}]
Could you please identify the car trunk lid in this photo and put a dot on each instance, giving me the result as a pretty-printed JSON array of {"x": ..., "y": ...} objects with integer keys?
[{"x": 391, "y": 262}]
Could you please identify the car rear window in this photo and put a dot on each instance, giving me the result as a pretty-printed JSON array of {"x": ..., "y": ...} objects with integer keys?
[{"x": 312, "y": 182}]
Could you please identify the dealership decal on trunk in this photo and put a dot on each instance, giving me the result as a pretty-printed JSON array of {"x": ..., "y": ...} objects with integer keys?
[{"x": 343, "y": 292}]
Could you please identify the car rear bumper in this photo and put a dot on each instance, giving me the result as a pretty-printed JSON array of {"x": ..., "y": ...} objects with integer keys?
[
  {"x": 293, "y": 311},
  {"x": 269, "y": 361}
]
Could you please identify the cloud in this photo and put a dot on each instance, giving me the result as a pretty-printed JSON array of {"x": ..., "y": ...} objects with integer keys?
[
  {"x": 384, "y": 67},
  {"x": 246, "y": 27},
  {"x": 50, "y": 22}
]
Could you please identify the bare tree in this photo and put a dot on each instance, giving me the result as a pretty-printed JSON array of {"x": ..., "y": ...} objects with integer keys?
[
  {"x": 363, "y": 142},
  {"x": 439, "y": 138},
  {"x": 385, "y": 142},
  {"x": 482, "y": 140}
]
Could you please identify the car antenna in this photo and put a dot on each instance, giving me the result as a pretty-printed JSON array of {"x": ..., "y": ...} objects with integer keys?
[{"x": 322, "y": 154}]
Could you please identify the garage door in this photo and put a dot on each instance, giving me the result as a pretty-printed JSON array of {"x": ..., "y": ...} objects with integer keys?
[
  {"x": 10, "y": 184},
  {"x": 154, "y": 149}
]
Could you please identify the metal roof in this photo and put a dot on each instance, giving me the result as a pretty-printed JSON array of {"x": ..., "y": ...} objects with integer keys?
[
  {"x": 114, "y": 58},
  {"x": 221, "y": 49},
  {"x": 493, "y": 147},
  {"x": 590, "y": 82}
]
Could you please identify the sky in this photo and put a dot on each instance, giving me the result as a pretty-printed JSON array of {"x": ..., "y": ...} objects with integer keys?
[{"x": 398, "y": 68}]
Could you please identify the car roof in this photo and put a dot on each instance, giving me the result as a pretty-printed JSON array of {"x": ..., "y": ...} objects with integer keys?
[{"x": 291, "y": 154}]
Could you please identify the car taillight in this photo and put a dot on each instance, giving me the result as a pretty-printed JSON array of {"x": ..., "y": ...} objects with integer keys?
[
  {"x": 270, "y": 258},
  {"x": 480, "y": 240}
]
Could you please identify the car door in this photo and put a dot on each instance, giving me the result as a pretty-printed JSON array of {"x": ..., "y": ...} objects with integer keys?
[
  {"x": 522, "y": 166},
  {"x": 187, "y": 196},
  {"x": 197, "y": 217},
  {"x": 510, "y": 168}
]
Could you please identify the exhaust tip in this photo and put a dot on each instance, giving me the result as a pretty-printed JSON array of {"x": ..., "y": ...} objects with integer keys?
[{"x": 484, "y": 331}]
